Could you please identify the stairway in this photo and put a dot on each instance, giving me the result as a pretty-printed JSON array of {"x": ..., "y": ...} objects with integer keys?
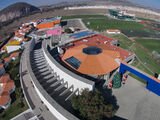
[{"x": 50, "y": 81}]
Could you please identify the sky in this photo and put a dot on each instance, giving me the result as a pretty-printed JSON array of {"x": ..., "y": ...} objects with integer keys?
[{"x": 5, "y": 3}]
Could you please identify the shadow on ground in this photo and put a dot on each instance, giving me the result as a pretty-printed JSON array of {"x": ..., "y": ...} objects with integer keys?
[{"x": 107, "y": 94}]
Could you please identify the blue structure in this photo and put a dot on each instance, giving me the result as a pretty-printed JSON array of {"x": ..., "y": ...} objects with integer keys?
[
  {"x": 152, "y": 84},
  {"x": 82, "y": 34}
]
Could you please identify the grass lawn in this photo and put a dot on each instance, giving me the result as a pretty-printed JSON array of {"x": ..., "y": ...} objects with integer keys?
[
  {"x": 18, "y": 103},
  {"x": 146, "y": 59},
  {"x": 150, "y": 44},
  {"x": 129, "y": 28},
  {"x": 84, "y": 16}
]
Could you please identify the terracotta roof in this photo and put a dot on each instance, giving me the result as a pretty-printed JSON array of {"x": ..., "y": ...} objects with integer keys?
[
  {"x": 7, "y": 59},
  {"x": 14, "y": 54},
  {"x": 99, "y": 64},
  {"x": 8, "y": 85},
  {"x": 4, "y": 78},
  {"x": 101, "y": 40},
  {"x": 19, "y": 36},
  {"x": 11, "y": 40},
  {"x": 4, "y": 98},
  {"x": 1, "y": 65},
  {"x": 25, "y": 39},
  {"x": 113, "y": 30}
]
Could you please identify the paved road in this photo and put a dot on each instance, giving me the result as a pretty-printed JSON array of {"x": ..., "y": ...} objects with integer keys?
[
  {"x": 136, "y": 102},
  {"x": 39, "y": 109}
]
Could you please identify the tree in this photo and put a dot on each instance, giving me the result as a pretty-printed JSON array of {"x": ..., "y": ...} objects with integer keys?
[
  {"x": 68, "y": 30},
  {"x": 117, "y": 80},
  {"x": 92, "y": 106}
]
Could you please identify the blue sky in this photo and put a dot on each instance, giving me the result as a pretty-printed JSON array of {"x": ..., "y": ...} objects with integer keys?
[{"x": 5, "y": 3}]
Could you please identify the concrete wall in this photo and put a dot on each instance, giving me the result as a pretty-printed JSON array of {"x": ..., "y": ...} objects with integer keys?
[{"x": 71, "y": 78}]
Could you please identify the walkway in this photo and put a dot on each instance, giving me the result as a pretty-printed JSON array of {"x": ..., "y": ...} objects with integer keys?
[
  {"x": 136, "y": 102},
  {"x": 37, "y": 106}
]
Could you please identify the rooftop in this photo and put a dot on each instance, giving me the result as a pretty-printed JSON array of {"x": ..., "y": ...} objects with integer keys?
[
  {"x": 8, "y": 85},
  {"x": 82, "y": 34},
  {"x": 94, "y": 55},
  {"x": 4, "y": 78},
  {"x": 4, "y": 98},
  {"x": 51, "y": 20}
]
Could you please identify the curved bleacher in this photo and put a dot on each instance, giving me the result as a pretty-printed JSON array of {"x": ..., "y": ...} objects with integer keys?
[{"x": 52, "y": 90}]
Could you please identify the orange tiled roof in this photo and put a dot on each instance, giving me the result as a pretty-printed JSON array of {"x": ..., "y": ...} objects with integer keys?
[
  {"x": 4, "y": 78},
  {"x": 7, "y": 59},
  {"x": 25, "y": 39},
  {"x": 99, "y": 64},
  {"x": 113, "y": 30},
  {"x": 4, "y": 98},
  {"x": 14, "y": 54},
  {"x": 8, "y": 85},
  {"x": 19, "y": 36}
]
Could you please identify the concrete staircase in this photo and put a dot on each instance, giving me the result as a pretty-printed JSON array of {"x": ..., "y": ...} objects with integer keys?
[{"x": 50, "y": 81}]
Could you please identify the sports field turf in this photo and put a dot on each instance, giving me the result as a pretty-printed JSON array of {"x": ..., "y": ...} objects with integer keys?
[
  {"x": 129, "y": 28},
  {"x": 150, "y": 44}
]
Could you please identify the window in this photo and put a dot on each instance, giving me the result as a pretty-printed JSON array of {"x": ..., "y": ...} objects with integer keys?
[{"x": 74, "y": 62}]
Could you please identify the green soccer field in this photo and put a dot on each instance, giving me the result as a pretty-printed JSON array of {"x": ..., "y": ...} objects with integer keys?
[
  {"x": 129, "y": 28},
  {"x": 150, "y": 44}
]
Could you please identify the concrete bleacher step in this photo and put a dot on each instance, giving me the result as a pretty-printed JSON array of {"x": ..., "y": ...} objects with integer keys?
[
  {"x": 50, "y": 88},
  {"x": 39, "y": 56},
  {"x": 48, "y": 82},
  {"x": 46, "y": 79},
  {"x": 71, "y": 95},
  {"x": 56, "y": 83},
  {"x": 67, "y": 90},
  {"x": 61, "y": 86},
  {"x": 55, "y": 94},
  {"x": 37, "y": 62},
  {"x": 40, "y": 67},
  {"x": 43, "y": 73},
  {"x": 48, "y": 76},
  {"x": 43, "y": 69}
]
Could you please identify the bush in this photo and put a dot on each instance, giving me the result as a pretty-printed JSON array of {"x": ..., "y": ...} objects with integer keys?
[
  {"x": 92, "y": 106},
  {"x": 68, "y": 30}
]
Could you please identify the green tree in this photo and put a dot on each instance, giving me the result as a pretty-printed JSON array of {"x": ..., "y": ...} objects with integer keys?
[
  {"x": 92, "y": 106},
  {"x": 117, "y": 80},
  {"x": 68, "y": 30}
]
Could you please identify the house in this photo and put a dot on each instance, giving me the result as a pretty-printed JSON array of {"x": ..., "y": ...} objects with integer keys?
[
  {"x": 113, "y": 31},
  {"x": 7, "y": 87},
  {"x": 5, "y": 100},
  {"x": 19, "y": 37}
]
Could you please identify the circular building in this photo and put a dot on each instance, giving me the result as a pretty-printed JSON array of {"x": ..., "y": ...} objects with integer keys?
[{"x": 92, "y": 60}]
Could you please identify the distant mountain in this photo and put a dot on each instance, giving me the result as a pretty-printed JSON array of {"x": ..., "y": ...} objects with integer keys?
[{"x": 17, "y": 10}]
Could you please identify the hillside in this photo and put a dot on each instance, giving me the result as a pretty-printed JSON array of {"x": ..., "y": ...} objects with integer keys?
[{"x": 16, "y": 10}]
